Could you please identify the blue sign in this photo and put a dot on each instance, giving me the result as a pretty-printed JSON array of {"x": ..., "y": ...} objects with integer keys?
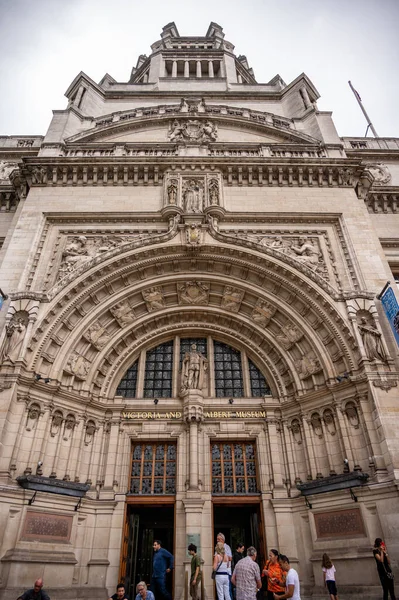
[
  {"x": 1, "y": 301},
  {"x": 391, "y": 308}
]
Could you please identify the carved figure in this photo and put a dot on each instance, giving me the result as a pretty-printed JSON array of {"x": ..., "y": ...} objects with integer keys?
[
  {"x": 328, "y": 419},
  {"x": 296, "y": 431},
  {"x": 289, "y": 335},
  {"x": 39, "y": 173},
  {"x": 70, "y": 423},
  {"x": 232, "y": 299},
  {"x": 183, "y": 106},
  {"x": 78, "y": 365},
  {"x": 15, "y": 334},
  {"x": 89, "y": 433},
  {"x": 172, "y": 191},
  {"x": 75, "y": 252},
  {"x": 380, "y": 173},
  {"x": 316, "y": 424},
  {"x": 201, "y": 108},
  {"x": 193, "y": 292},
  {"x": 307, "y": 366},
  {"x": 56, "y": 423},
  {"x": 352, "y": 415},
  {"x": 263, "y": 312},
  {"x": 178, "y": 132},
  {"x": 6, "y": 169},
  {"x": 193, "y": 194},
  {"x": 193, "y": 369},
  {"x": 32, "y": 417},
  {"x": 123, "y": 313},
  {"x": 98, "y": 336},
  {"x": 213, "y": 191},
  {"x": 307, "y": 252},
  {"x": 154, "y": 298},
  {"x": 209, "y": 131},
  {"x": 372, "y": 341}
]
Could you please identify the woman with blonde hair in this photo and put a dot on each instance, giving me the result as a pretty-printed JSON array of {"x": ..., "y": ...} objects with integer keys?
[
  {"x": 221, "y": 568},
  {"x": 143, "y": 593}
]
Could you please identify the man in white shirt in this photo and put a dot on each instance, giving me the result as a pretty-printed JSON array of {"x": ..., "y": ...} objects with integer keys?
[{"x": 292, "y": 589}]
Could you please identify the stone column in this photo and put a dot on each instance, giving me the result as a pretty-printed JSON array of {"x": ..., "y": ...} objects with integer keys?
[
  {"x": 174, "y": 68},
  {"x": 186, "y": 68},
  {"x": 309, "y": 447},
  {"x": 344, "y": 435},
  {"x": 370, "y": 433},
  {"x": 193, "y": 415},
  {"x": 199, "y": 70},
  {"x": 210, "y": 68},
  {"x": 279, "y": 490}
]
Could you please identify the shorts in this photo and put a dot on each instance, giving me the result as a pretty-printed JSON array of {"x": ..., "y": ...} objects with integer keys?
[{"x": 332, "y": 588}]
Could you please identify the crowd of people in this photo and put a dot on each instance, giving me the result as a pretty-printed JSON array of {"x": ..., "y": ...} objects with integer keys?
[{"x": 238, "y": 577}]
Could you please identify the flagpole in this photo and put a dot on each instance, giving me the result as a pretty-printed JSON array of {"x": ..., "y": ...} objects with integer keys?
[{"x": 359, "y": 100}]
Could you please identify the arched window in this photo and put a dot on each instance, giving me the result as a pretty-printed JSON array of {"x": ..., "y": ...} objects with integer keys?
[{"x": 158, "y": 378}]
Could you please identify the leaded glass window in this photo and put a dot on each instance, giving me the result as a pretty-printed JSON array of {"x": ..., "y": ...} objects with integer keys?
[
  {"x": 127, "y": 385},
  {"x": 259, "y": 386},
  {"x": 228, "y": 372},
  {"x": 158, "y": 371},
  {"x": 233, "y": 468},
  {"x": 153, "y": 469}
]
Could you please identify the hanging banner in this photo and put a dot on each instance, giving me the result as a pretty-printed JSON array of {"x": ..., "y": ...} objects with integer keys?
[
  {"x": 391, "y": 308},
  {"x": 1, "y": 302}
]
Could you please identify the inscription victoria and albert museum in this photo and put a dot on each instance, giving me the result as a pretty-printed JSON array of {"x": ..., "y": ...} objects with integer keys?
[{"x": 176, "y": 415}]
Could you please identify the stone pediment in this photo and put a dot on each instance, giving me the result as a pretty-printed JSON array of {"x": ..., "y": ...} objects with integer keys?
[{"x": 198, "y": 124}]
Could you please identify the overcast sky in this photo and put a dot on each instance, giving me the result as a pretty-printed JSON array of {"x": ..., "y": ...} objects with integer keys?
[{"x": 44, "y": 44}]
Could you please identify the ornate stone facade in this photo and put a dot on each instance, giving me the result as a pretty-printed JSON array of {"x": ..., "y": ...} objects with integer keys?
[{"x": 199, "y": 328}]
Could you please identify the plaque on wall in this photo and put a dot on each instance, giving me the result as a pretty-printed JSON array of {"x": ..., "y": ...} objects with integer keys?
[
  {"x": 46, "y": 527},
  {"x": 339, "y": 524}
]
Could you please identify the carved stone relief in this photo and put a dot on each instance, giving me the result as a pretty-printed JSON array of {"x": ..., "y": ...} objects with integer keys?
[
  {"x": 232, "y": 299},
  {"x": 32, "y": 417},
  {"x": 154, "y": 298},
  {"x": 56, "y": 423},
  {"x": 89, "y": 432},
  {"x": 380, "y": 172},
  {"x": 329, "y": 421},
  {"x": 303, "y": 249},
  {"x": 192, "y": 194},
  {"x": 192, "y": 131},
  {"x": 307, "y": 366},
  {"x": 193, "y": 292},
  {"x": 288, "y": 335},
  {"x": 352, "y": 415},
  {"x": 6, "y": 168},
  {"x": 78, "y": 365},
  {"x": 70, "y": 423},
  {"x": 193, "y": 235},
  {"x": 263, "y": 312},
  {"x": 97, "y": 336},
  {"x": 296, "y": 431},
  {"x": 315, "y": 421},
  {"x": 79, "y": 249},
  {"x": 123, "y": 313}
]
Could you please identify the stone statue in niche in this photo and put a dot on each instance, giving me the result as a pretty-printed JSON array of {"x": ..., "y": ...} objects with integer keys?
[
  {"x": 172, "y": 191},
  {"x": 89, "y": 433},
  {"x": 194, "y": 367},
  {"x": 78, "y": 365},
  {"x": 193, "y": 292},
  {"x": 56, "y": 423},
  {"x": 289, "y": 335},
  {"x": 123, "y": 313},
  {"x": 307, "y": 366},
  {"x": 154, "y": 298},
  {"x": 372, "y": 341},
  {"x": 352, "y": 415},
  {"x": 213, "y": 192},
  {"x": 193, "y": 196},
  {"x": 328, "y": 419},
  {"x": 307, "y": 252},
  {"x": 15, "y": 335},
  {"x": 32, "y": 417},
  {"x": 263, "y": 312},
  {"x": 70, "y": 423},
  {"x": 316, "y": 425},
  {"x": 97, "y": 335},
  {"x": 296, "y": 431},
  {"x": 232, "y": 299}
]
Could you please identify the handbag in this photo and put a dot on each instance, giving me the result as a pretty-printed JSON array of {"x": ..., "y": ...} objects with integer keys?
[
  {"x": 389, "y": 573},
  {"x": 216, "y": 570}
]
